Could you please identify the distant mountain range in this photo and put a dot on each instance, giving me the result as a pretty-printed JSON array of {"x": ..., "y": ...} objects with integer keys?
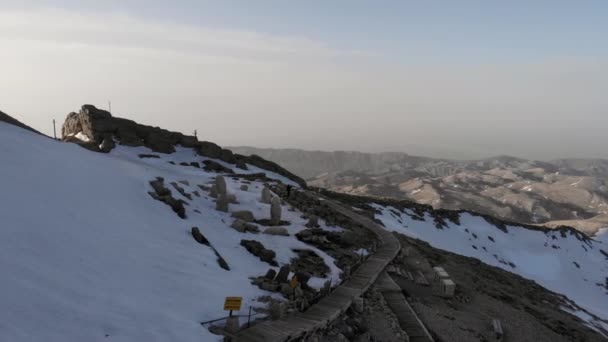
[{"x": 570, "y": 192}]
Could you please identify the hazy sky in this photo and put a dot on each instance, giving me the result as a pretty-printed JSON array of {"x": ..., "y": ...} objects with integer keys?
[{"x": 459, "y": 79}]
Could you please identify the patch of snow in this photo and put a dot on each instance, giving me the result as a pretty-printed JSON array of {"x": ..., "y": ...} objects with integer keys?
[
  {"x": 577, "y": 182},
  {"x": 82, "y": 137},
  {"x": 86, "y": 253}
]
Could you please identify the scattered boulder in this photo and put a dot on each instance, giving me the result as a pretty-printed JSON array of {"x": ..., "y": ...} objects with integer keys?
[
  {"x": 204, "y": 187},
  {"x": 159, "y": 187},
  {"x": 275, "y": 211},
  {"x": 286, "y": 289},
  {"x": 283, "y": 274},
  {"x": 276, "y": 230},
  {"x": 256, "y": 248},
  {"x": 222, "y": 203},
  {"x": 240, "y": 163},
  {"x": 232, "y": 199},
  {"x": 199, "y": 237},
  {"x": 181, "y": 190},
  {"x": 269, "y": 286},
  {"x": 222, "y": 263},
  {"x": 244, "y": 227},
  {"x": 244, "y": 187},
  {"x": 107, "y": 144},
  {"x": 213, "y": 166},
  {"x": 310, "y": 262},
  {"x": 271, "y": 274},
  {"x": 266, "y": 195},
  {"x": 161, "y": 193},
  {"x": 313, "y": 222},
  {"x": 143, "y": 155},
  {"x": 348, "y": 238},
  {"x": 303, "y": 278},
  {"x": 244, "y": 215}
]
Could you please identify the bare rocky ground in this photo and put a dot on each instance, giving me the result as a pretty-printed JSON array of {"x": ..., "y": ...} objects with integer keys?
[{"x": 527, "y": 311}]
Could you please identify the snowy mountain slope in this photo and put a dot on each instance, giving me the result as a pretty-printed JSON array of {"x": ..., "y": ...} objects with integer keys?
[
  {"x": 86, "y": 254},
  {"x": 563, "y": 261}
]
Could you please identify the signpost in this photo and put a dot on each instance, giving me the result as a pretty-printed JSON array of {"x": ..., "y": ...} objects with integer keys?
[{"x": 233, "y": 303}]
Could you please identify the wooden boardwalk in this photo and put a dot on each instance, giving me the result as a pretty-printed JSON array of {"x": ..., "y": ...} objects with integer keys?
[
  {"x": 329, "y": 308},
  {"x": 408, "y": 319}
]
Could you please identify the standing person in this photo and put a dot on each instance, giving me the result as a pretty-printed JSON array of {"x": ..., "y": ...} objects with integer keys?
[{"x": 288, "y": 190}]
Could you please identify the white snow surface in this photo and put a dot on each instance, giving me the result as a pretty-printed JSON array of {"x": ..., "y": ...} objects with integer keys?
[
  {"x": 545, "y": 257},
  {"x": 86, "y": 254},
  {"x": 81, "y": 136}
]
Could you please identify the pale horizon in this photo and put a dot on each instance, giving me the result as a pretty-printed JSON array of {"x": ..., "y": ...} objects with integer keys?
[{"x": 459, "y": 81}]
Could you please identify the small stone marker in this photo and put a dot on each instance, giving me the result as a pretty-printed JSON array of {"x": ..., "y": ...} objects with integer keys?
[
  {"x": 266, "y": 195},
  {"x": 222, "y": 203},
  {"x": 275, "y": 211},
  {"x": 220, "y": 185}
]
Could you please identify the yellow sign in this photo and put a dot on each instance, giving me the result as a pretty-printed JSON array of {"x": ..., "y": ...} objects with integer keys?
[
  {"x": 294, "y": 282},
  {"x": 233, "y": 303}
]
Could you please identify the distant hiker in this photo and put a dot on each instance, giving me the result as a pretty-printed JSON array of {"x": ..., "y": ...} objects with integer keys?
[{"x": 288, "y": 190}]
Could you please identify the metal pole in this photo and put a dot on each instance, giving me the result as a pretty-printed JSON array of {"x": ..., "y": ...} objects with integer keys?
[
  {"x": 110, "y": 106},
  {"x": 54, "y": 130},
  {"x": 249, "y": 318},
  {"x": 230, "y": 313}
]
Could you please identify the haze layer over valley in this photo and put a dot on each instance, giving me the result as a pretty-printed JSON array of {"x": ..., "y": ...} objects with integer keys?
[{"x": 571, "y": 192}]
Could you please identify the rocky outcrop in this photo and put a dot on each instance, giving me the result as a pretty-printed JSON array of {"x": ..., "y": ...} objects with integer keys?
[
  {"x": 101, "y": 129},
  {"x": 161, "y": 193}
]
